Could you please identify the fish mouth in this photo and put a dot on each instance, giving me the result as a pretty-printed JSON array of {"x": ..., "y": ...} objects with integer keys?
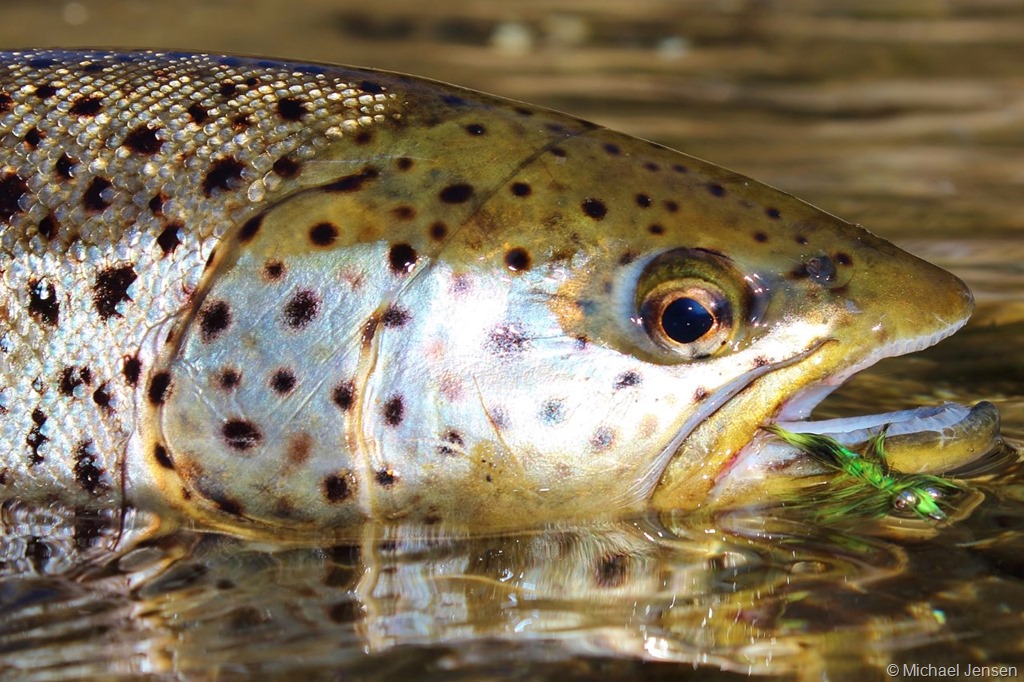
[{"x": 934, "y": 439}]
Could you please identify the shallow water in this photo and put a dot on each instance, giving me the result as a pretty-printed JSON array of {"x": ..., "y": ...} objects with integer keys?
[{"x": 909, "y": 121}]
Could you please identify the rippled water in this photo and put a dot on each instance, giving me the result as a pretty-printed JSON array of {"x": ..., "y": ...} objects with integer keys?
[{"x": 909, "y": 120}]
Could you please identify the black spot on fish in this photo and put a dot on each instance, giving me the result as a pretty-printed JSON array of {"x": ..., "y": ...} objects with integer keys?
[
  {"x": 651, "y": 166},
  {"x": 228, "y": 505},
  {"x": 402, "y": 258},
  {"x": 301, "y": 309},
  {"x": 12, "y": 188},
  {"x": 507, "y": 339},
  {"x": 452, "y": 443},
  {"x": 101, "y": 396},
  {"x": 385, "y": 477},
  {"x": 143, "y": 140},
  {"x": 458, "y": 193},
  {"x": 282, "y": 382},
  {"x": 43, "y": 306},
  {"x": 395, "y": 317},
  {"x": 521, "y": 189},
  {"x": 35, "y": 437},
  {"x": 93, "y": 198},
  {"x": 273, "y": 269},
  {"x": 844, "y": 258},
  {"x": 344, "y": 395},
  {"x": 33, "y": 137},
  {"x": 291, "y": 109},
  {"x": 47, "y": 227},
  {"x": 364, "y": 137},
  {"x": 241, "y": 434},
  {"x": 627, "y": 379},
  {"x": 286, "y": 167},
  {"x": 323, "y": 234},
  {"x": 612, "y": 149},
  {"x": 372, "y": 87},
  {"x": 671, "y": 206},
  {"x": 156, "y": 204},
  {"x": 611, "y": 570},
  {"x": 65, "y": 166},
  {"x": 594, "y": 208},
  {"x": 214, "y": 318},
  {"x": 338, "y": 487},
  {"x": 394, "y": 410},
  {"x": 438, "y": 231},
  {"x": 228, "y": 90},
  {"x": 716, "y": 189},
  {"x": 5, "y": 102},
  {"x": 162, "y": 457},
  {"x": 700, "y": 394},
  {"x": 198, "y": 113},
  {"x": 132, "y": 369},
  {"x": 680, "y": 168},
  {"x": 87, "y": 473},
  {"x": 73, "y": 377},
  {"x": 655, "y": 228},
  {"x": 45, "y": 91},
  {"x": 643, "y": 201},
  {"x": 517, "y": 259},
  {"x": 354, "y": 182},
  {"x": 773, "y": 213},
  {"x": 159, "y": 387},
  {"x": 168, "y": 239},
  {"x": 89, "y": 105},
  {"x": 111, "y": 288},
  {"x": 224, "y": 175},
  {"x": 760, "y": 237},
  {"x": 475, "y": 129},
  {"x": 559, "y": 152},
  {"x": 404, "y": 163},
  {"x": 404, "y": 212}
]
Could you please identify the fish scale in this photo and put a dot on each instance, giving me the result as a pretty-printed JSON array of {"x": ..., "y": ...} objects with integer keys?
[{"x": 282, "y": 297}]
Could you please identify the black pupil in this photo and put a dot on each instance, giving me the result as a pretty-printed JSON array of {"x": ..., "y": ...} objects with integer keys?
[{"x": 685, "y": 320}]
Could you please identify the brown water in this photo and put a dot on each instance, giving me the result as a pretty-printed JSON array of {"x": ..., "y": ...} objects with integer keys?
[{"x": 909, "y": 121}]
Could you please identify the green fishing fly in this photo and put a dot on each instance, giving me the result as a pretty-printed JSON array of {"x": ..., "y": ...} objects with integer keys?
[{"x": 875, "y": 487}]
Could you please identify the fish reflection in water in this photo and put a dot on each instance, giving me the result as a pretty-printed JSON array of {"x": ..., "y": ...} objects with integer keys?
[{"x": 740, "y": 592}]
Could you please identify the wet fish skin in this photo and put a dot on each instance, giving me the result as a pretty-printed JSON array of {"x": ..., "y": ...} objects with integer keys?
[{"x": 294, "y": 297}]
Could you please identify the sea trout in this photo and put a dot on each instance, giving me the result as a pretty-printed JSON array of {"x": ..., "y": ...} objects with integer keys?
[{"x": 280, "y": 298}]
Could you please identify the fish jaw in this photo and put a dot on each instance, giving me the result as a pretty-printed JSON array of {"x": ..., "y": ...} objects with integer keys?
[{"x": 892, "y": 304}]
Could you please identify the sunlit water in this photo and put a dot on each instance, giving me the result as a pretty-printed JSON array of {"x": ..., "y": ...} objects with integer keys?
[{"x": 910, "y": 122}]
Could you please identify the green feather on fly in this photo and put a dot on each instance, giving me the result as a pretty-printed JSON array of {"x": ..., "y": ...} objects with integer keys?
[{"x": 874, "y": 488}]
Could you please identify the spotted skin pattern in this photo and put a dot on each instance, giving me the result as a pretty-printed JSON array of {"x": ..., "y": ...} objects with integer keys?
[{"x": 291, "y": 297}]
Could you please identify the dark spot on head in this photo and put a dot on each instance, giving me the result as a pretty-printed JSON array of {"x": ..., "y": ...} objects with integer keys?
[
  {"x": 301, "y": 309},
  {"x": 456, "y": 194},
  {"x": 156, "y": 204},
  {"x": 229, "y": 378},
  {"x": 521, "y": 189},
  {"x": 394, "y": 316},
  {"x": 223, "y": 175},
  {"x": 43, "y": 306},
  {"x": 655, "y": 228},
  {"x": 47, "y": 227},
  {"x": 385, "y": 477},
  {"x": 844, "y": 258},
  {"x": 339, "y": 487},
  {"x": 394, "y": 410},
  {"x": 168, "y": 239},
  {"x": 73, "y": 377},
  {"x": 12, "y": 188},
  {"x": 438, "y": 231},
  {"x": 143, "y": 140},
  {"x": 716, "y": 189},
  {"x": 517, "y": 259},
  {"x": 363, "y": 137},
  {"x": 559, "y": 152},
  {"x": 761, "y": 237},
  {"x": 323, "y": 234},
  {"x": 241, "y": 434},
  {"x": 283, "y": 381},
  {"x": 643, "y": 200},
  {"x": 86, "y": 106},
  {"x": 612, "y": 149},
  {"x": 404, "y": 212},
  {"x": 250, "y": 229},
  {"x": 507, "y": 339},
  {"x": 627, "y": 379},
  {"x": 404, "y": 163},
  {"x": 131, "y": 369},
  {"x": 344, "y": 395},
  {"x": 87, "y": 473},
  {"x": 273, "y": 269},
  {"x": 354, "y": 182},
  {"x": 111, "y": 288},
  {"x": 671, "y": 206},
  {"x": 603, "y": 438},
  {"x": 101, "y": 396},
  {"x": 286, "y": 167},
  {"x": 651, "y": 166},
  {"x": 552, "y": 412},
  {"x": 93, "y": 198},
  {"x": 214, "y": 318},
  {"x": 198, "y": 113},
  {"x": 523, "y": 111},
  {"x": 159, "y": 386},
  {"x": 372, "y": 87},
  {"x": 162, "y": 457},
  {"x": 679, "y": 168},
  {"x": 402, "y": 258},
  {"x": 64, "y": 167},
  {"x": 773, "y": 213},
  {"x": 33, "y": 137},
  {"x": 627, "y": 258},
  {"x": 594, "y": 208},
  {"x": 475, "y": 129},
  {"x": 291, "y": 109},
  {"x": 611, "y": 570}
]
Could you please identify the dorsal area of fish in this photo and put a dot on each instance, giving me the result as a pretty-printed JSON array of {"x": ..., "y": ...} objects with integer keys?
[{"x": 299, "y": 296}]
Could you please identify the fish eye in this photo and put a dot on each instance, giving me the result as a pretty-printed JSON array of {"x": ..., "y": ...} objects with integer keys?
[{"x": 690, "y": 317}]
